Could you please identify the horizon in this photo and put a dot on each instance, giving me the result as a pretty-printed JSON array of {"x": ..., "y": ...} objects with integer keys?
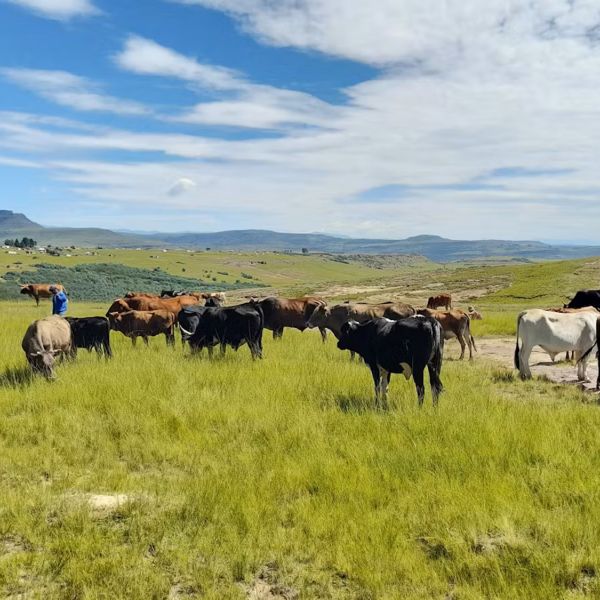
[
  {"x": 142, "y": 232},
  {"x": 378, "y": 123}
]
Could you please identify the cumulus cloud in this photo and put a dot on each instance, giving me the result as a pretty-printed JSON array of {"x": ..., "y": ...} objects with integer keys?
[
  {"x": 61, "y": 10},
  {"x": 181, "y": 186},
  {"x": 71, "y": 90}
]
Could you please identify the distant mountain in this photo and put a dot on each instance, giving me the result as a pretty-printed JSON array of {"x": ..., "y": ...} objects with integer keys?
[
  {"x": 433, "y": 247},
  {"x": 14, "y": 225}
]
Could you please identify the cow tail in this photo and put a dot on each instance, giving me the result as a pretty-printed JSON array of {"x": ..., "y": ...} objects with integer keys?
[
  {"x": 438, "y": 348},
  {"x": 585, "y": 354},
  {"x": 517, "y": 362}
]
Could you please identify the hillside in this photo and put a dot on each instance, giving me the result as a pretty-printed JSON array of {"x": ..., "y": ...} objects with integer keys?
[
  {"x": 433, "y": 247},
  {"x": 18, "y": 225}
]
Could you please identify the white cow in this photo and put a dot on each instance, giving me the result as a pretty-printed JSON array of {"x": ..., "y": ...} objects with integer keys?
[{"x": 555, "y": 332}]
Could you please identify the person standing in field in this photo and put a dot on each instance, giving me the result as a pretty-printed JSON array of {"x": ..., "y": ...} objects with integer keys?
[{"x": 60, "y": 301}]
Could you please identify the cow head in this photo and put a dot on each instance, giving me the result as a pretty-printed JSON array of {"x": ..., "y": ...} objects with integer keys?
[
  {"x": 319, "y": 316},
  {"x": 347, "y": 334},
  {"x": 118, "y": 306},
  {"x": 26, "y": 289},
  {"x": 114, "y": 318},
  {"x": 43, "y": 362}
]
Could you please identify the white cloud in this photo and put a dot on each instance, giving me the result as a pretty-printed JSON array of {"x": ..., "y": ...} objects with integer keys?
[
  {"x": 181, "y": 186},
  {"x": 146, "y": 57},
  {"x": 246, "y": 104},
  {"x": 461, "y": 93},
  {"x": 72, "y": 91},
  {"x": 58, "y": 9}
]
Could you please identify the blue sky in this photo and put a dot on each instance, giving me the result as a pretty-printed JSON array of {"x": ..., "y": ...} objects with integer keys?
[{"x": 387, "y": 120}]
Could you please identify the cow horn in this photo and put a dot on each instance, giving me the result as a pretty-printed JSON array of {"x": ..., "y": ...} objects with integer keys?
[{"x": 185, "y": 331}]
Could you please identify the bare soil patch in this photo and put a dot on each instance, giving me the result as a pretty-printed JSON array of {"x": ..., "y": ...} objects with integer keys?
[{"x": 502, "y": 350}]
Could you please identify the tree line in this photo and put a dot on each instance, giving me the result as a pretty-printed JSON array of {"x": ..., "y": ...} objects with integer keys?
[{"x": 25, "y": 242}]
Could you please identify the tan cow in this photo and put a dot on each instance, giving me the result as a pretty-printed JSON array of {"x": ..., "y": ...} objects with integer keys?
[
  {"x": 444, "y": 300},
  {"x": 455, "y": 323},
  {"x": 474, "y": 315},
  {"x": 144, "y": 324},
  {"x": 335, "y": 316},
  {"x": 40, "y": 290},
  {"x": 46, "y": 339}
]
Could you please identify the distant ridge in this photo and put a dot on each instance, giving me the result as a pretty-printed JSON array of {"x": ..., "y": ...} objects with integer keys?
[{"x": 433, "y": 247}]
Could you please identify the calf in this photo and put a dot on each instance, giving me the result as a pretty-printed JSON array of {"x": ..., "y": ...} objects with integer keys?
[
  {"x": 206, "y": 327},
  {"x": 455, "y": 323},
  {"x": 91, "y": 333},
  {"x": 44, "y": 340},
  {"x": 444, "y": 300},
  {"x": 555, "y": 333},
  {"x": 144, "y": 324},
  {"x": 406, "y": 346}
]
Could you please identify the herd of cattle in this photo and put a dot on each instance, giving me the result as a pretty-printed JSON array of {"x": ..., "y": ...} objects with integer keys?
[{"x": 391, "y": 337}]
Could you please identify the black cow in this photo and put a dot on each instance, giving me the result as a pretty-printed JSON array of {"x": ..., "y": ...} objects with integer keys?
[
  {"x": 406, "y": 346},
  {"x": 585, "y": 298},
  {"x": 205, "y": 327},
  {"x": 92, "y": 333}
]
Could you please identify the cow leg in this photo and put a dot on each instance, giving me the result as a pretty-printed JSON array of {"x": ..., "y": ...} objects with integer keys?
[
  {"x": 376, "y": 381},
  {"x": 278, "y": 333},
  {"x": 323, "y": 333},
  {"x": 524, "y": 354},
  {"x": 107, "y": 350},
  {"x": 581, "y": 365},
  {"x": 419, "y": 384},
  {"x": 351, "y": 354},
  {"x": 133, "y": 340},
  {"x": 37, "y": 300},
  {"x": 210, "y": 351},
  {"x": 384, "y": 382},
  {"x": 145, "y": 338},
  {"x": 467, "y": 335},
  {"x": 170, "y": 338},
  {"x": 435, "y": 382},
  {"x": 461, "y": 341}
]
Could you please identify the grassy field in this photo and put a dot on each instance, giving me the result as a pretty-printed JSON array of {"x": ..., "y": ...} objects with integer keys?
[{"x": 278, "y": 479}]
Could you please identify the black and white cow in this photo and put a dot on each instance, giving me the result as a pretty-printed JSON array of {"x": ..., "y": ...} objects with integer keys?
[
  {"x": 205, "y": 327},
  {"x": 91, "y": 333},
  {"x": 406, "y": 346}
]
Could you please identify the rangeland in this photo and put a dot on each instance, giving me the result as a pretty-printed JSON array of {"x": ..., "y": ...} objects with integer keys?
[{"x": 158, "y": 474}]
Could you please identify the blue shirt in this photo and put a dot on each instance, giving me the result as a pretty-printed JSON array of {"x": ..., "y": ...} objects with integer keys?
[{"x": 59, "y": 303}]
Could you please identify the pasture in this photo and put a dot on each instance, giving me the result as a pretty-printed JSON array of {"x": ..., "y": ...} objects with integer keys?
[{"x": 160, "y": 475}]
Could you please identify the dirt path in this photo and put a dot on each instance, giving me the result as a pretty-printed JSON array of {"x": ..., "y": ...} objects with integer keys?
[{"x": 502, "y": 350}]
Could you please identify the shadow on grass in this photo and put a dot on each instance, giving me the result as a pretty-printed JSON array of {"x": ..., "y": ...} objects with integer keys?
[
  {"x": 355, "y": 403},
  {"x": 16, "y": 377}
]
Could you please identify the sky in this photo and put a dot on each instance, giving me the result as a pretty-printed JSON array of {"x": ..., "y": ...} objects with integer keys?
[{"x": 389, "y": 118}]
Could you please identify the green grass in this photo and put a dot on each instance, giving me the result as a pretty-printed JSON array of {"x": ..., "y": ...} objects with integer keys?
[{"x": 280, "y": 471}]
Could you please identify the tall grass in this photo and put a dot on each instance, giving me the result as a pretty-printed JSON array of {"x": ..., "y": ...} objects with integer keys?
[{"x": 281, "y": 470}]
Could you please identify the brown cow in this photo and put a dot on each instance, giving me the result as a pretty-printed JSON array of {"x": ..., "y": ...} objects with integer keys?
[
  {"x": 335, "y": 316},
  {"x": 40, "y": 290},
  {"x": 144, "y": 324},
  {"x": 444, "y": 300},
  {"x": 289, "y": 312},
  {"x": 455, "y": 323},
  {"x": 118, "y": 306},
  {"x": 44, "y": 340},
  {"x": 171, "y": 304}
]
